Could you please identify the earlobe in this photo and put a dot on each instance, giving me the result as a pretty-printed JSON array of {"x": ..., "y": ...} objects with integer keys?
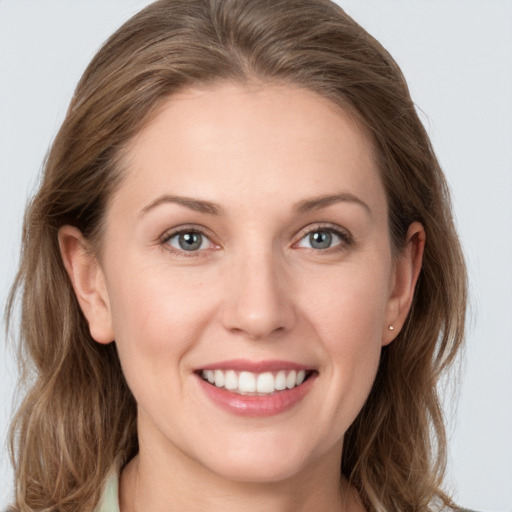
[
  {"x": 406, "y": 272},
  {"x": 88, "y": 282}
]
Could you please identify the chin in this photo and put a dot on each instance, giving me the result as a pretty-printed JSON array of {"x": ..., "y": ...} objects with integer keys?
[
  {"x": 262, "y": 463},
  {"x": 257, "y": 472}
]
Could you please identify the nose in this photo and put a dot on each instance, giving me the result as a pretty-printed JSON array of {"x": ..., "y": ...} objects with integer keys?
[{"x": 259, "y": 302}]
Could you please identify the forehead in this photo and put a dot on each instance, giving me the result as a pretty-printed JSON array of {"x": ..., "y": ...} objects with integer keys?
[{"x": 249, "y": 143}]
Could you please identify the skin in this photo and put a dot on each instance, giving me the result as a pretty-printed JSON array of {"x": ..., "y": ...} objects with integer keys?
[{"x": 256, "y": 289}]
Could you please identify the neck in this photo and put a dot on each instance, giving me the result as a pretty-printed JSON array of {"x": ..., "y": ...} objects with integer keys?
[{"x": 152, "y": 481}]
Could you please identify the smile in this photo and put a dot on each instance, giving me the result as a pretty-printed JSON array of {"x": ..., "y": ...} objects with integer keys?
[
  {"x": 255, "y": 384},
  {"x": 256, "y": 389}
]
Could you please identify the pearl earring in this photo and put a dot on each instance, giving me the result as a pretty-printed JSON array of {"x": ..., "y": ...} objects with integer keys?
[{"x": 391, "y": 328}]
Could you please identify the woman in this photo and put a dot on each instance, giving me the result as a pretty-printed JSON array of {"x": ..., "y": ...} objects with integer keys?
[{"x": 240, "y": 280}]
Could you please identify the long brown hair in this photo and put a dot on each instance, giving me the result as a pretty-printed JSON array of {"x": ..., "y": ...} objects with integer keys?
[{"x": 78, "y": 414}]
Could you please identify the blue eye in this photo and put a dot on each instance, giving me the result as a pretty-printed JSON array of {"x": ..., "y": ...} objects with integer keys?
[
  {"x": 189, "y": 241},
  {"x": 322, "y": 239}
]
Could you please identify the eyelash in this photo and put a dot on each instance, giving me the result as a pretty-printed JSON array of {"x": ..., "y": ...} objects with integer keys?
[
  {"x": 344, "y": 236},
  {"x": 165, "y": 239}
]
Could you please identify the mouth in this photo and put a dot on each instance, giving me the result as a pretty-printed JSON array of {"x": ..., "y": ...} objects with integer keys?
[
  {"x": 256, "y": 388},
  {"x": 249, "y": 383}
]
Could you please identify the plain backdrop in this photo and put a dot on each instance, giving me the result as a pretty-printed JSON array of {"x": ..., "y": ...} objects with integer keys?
[{"x": 457, "y": 57}]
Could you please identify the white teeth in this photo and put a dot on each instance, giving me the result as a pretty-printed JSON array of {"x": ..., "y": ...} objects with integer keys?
[
  {"x": 219, "y": 378},
  {"x": 247, "y": 382},
  {"x": 231, "y": 380},
  {"x": 254, "y": 383},
  {"x": 291, "y": 379},
  {"x": 280, "y": 381},
  {"x": 265, "y": 383}
]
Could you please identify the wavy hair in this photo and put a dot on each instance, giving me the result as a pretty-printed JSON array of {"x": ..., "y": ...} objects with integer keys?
[{"x": 78, "y": 414}]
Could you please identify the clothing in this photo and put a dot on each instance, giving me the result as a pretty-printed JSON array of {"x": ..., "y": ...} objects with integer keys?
[{"x": 110, "y": 500}]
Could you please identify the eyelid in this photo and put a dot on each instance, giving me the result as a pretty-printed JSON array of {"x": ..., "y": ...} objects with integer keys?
[
  {"x": 186, "y": 228},
  {"x": 343, "y": 233}
]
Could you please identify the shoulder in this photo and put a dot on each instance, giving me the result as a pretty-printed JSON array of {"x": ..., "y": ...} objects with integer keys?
[{"x": 454, "y": 508}]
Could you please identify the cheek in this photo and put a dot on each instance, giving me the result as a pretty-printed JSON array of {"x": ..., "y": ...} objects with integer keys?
[
  {"x": 348, "y": 320},
  {"x": 351, "y": 331},
  {"x": 155, "y": 318},
  {"x": 350, "y": 303}
]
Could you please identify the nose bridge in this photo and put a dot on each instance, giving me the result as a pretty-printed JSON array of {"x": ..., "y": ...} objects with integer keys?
[{"x": 259, "y": 300}]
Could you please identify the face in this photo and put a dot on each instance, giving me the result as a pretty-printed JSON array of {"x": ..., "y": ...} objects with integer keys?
[{"x": 247, "y": 279}]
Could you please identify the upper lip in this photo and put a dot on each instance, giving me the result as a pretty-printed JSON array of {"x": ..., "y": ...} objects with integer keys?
[{"x": 246, "y": 365}]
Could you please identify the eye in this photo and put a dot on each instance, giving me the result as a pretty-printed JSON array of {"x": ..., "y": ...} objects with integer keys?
[
  {"x": 324, "y": 238},
  {"x": 189, "y": 241}
]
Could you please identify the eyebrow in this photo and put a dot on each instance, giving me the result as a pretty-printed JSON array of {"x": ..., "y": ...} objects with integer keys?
[
  {"x": 315, "y": 203},
  {"x": 197, "y": 205},
  {"x": 304, "y": 206}
]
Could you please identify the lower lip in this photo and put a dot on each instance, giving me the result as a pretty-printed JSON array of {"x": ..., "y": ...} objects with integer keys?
[{"x": 251, "y": 405}]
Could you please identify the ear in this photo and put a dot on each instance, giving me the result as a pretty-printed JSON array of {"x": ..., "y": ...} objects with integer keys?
[
  {"x": 406, "y": 271},
  {"x": 88, "y": 281}
]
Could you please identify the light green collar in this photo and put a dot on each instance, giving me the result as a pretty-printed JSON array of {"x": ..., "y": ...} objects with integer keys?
[{"x": 110, "y": 498}]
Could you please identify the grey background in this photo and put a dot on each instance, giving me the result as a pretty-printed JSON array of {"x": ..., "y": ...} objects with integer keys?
[{"x": 457, "y": 57}]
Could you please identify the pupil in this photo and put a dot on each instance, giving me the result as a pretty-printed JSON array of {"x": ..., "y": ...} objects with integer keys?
[
  {"x": 320, "y": 239},
  {"x": 190, "y": 241}
]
